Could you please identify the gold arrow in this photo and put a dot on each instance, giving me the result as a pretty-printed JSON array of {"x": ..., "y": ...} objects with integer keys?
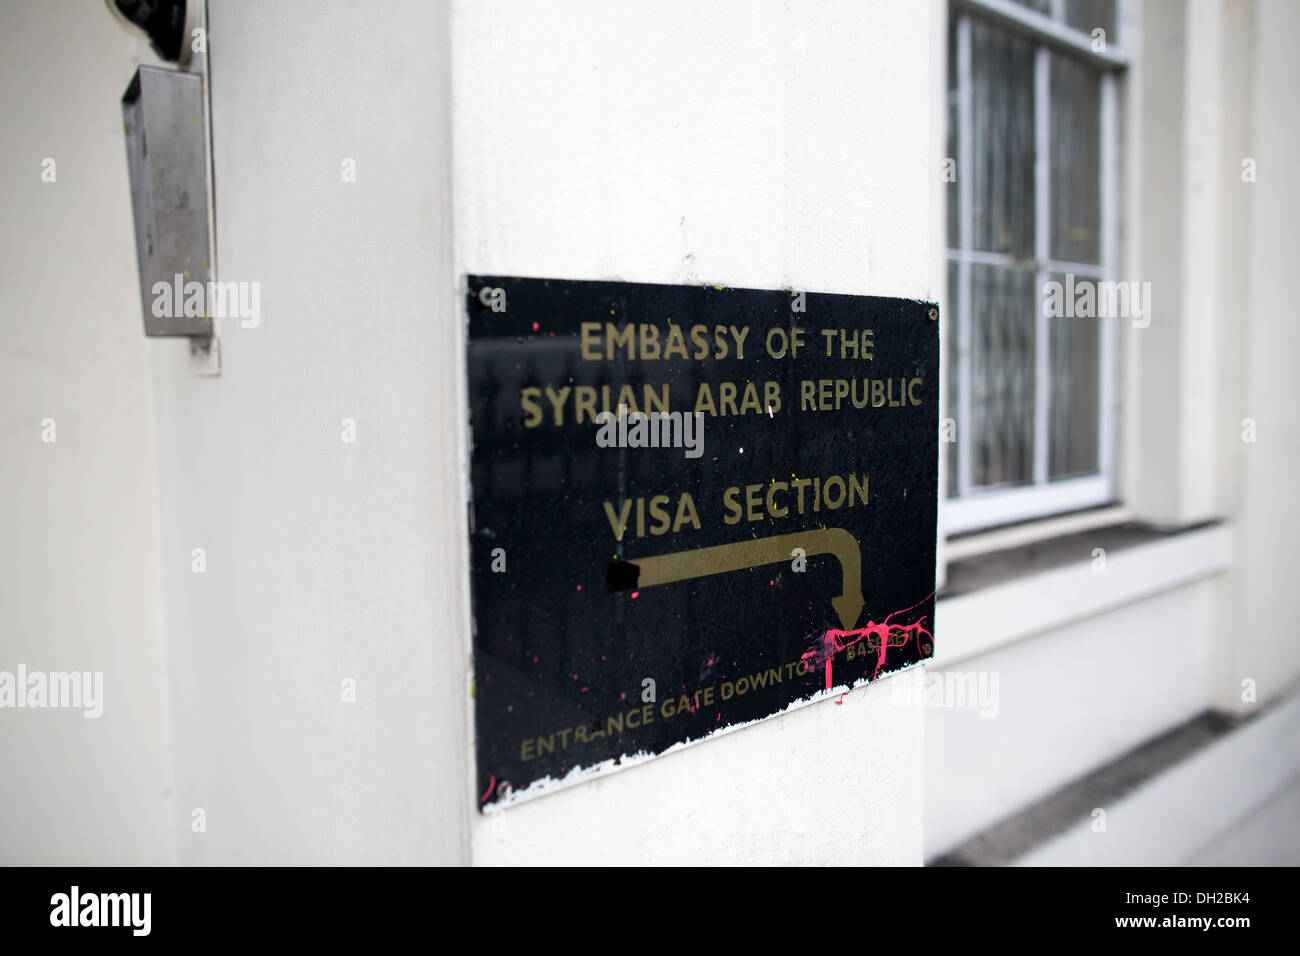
[{"x": 722, "y": 558}]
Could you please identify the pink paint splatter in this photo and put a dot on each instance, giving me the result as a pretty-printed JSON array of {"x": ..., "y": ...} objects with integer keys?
[
  {"x": 579, "y": 587},
  {"x": 492, "y": 785},
  {"x": 535, "y": 326},
  {"x": 635, "y": 595},
  {"x": 880, "y": 636}
]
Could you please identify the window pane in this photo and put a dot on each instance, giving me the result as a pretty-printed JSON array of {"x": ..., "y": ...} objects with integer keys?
[
  {"x": 1075, "y": 381},
  {"x": 1042, "y": 6},
  {"x": 952, "y": 195},
  {"x": 1003, "y": 304},
  {"x": 950, "y": 331},
  {"x": 1087, "y": 15},
  {"x": 1076, "y": 161},
  {"x": 1002, "y": 108}
]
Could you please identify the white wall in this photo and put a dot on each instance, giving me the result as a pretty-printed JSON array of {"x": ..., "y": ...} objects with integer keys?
[
  {"x": 78, "y": 516},
  {"x": 1217, "y": 87},
  {"x": 1068, "y": 701},
  {"x": 767, "y": 145},
  {"x": 1268, "y": 837},
  {"x": 1260, "y": 619},
  {"x": 326, "y": 561},
  {"x": 757, "y": 144},
  {"x": 742, "y": 144},
  {"x": 1212, "y": 85}
]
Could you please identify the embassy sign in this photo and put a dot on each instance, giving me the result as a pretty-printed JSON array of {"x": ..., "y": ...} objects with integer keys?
[{"x": 629, "y": 598}]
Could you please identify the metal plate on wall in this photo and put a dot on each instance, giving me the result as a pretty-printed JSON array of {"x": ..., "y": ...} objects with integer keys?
[
  {"x": 164, "y": 122},
  {"x": 753, "y": 528}
]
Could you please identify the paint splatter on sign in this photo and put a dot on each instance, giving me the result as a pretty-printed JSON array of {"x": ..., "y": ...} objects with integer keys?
[{"x": 660, "y": 585}]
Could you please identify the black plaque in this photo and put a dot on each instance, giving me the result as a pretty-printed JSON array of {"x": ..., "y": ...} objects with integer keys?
[{"x": 628, "y": 599}]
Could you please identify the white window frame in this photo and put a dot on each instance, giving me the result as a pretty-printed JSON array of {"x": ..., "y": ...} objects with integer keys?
[{"x": 970, "y": 509}]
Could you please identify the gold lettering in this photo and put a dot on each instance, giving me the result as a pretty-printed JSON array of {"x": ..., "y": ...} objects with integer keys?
[
  {"x": 837, "y": 482},
  {"x": 649, "y": 337},
  {"x": 686, "y": 513},
  {"x": 653, "y": 402},
  {"x": 700, "y": 339},
  {"x": 532, "y": 411},
  {"x": 676, "y": 342},
  {"x": 727, "y": 398},
  {"x": 557, "y": 401},
  {"x": 772, "y": 396},
  {"x": 733, "y": 507},
  {"x": 614, "y": 339},
  {"x": 720, "y": 341},
  {"x": 619, "y": 525},
  {"x": 628, "y": 397},
  {"x": 771, "y": 491},
  {"x": 857, "y": 488},
  {"x": 584, "y": 401},
  {"x": 704, "y": 401},
  {"x": 590, "y": 341},
  {"x": 740, "y": 334},
  {"x": 659, "y": 514}
]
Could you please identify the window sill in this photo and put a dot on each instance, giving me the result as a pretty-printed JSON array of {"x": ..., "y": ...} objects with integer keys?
[
  {"x": 961, "y": 546},
  {"x": 1185, "y": 792},
  {"x": 1027, "y": 832},
  {"x": 988, "y": 510},
  {"x": 1004, "y": 596}
]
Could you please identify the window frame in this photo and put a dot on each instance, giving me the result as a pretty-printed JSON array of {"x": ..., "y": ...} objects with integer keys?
[{"x": 971, "y": 510}]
